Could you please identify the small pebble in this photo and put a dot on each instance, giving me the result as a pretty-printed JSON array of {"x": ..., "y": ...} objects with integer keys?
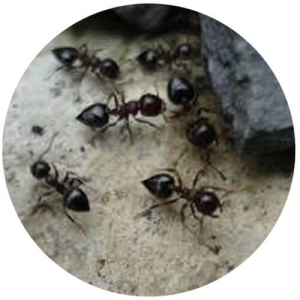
[{"x": 37, "y": 130}]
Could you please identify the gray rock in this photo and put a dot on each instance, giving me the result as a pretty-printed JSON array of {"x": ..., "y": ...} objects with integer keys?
[
  {"x": 249, "y": 94},
  {"x": 147, "y": 17}
]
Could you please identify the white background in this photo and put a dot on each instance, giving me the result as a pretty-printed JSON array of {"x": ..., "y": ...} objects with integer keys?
[{"x": 273, "y": 28}]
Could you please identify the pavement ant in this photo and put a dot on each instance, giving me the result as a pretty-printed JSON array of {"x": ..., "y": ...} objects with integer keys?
[
  {"x": 68, "y": 56},
  {"x": 73, "y": 197},
  {"x": 151, "y": 59},
  {"x": 98, "y": 115},
  {"x": 203, "y": 200}
]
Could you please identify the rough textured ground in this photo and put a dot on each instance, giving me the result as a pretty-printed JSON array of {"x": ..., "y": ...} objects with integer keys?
[{"x": 153, "y": 255}]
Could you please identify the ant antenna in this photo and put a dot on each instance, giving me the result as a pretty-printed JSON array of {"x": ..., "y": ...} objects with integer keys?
[
  {"x": 49, "y": 146},
  {"x": 208, "y": 161}
]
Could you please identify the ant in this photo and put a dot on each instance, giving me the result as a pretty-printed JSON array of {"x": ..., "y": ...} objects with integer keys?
[
  {"x": 73, "y": 197},
  {"x": 203, "y": 200},
  {"x": 202, "y": 134},
  {"x": 98, "y": 114},
  {"x": 68, "y": 56},
  {"x": 151, "y": 59}
]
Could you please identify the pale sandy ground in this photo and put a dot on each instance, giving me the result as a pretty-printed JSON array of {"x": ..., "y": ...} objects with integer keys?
[{"x": 154, "y": 255}]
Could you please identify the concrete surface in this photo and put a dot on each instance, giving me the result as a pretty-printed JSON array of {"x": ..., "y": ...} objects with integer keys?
[{"x": 153, "y": 255}]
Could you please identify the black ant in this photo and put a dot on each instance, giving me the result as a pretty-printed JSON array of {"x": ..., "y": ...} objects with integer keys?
[
  {"x": 98, "y": 114},
  {"x": 73, "y": 197},
  {"x": 203, "y": 200},
  {"x": 202, "y": 134},
  {"x": 152, "y": 59},
  {"x": 68, "y": 56}
]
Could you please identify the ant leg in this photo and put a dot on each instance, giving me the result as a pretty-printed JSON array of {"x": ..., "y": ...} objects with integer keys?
[
  {"x": 78, "y": 80},
  {"x": 110, "y": 125},
  {"x": 100, "y": 77},
  {"x": 146, "y": 211},
  {"x": 115, "y": 98},
  {"x": 214, "y": 216},
  {"x": 208, "y": 161},
  {"x": 41, "y": 204},
  {"x": 75, "y": 176},
  {"x": 164, "y": 115},
  {"x": 56, "y": 175},
  {"x": 101, "y": 131},
  {"x": 200, "y": 219},
  {"x": 199, "y": 173},
  {"x": 182, "y": 210},
  {"x": 174, "y": 115},
  {"x": 180, "y": 156},
  {"x": 160, "y": 50},
  {"x": 73, "y": 221},
  {"x": 200, "y": 110},
  {"x": 216, "y": 249},
  {"x": 129, "y": 131},
  {"x": 146, "y": 122},
  {"x": 96, "y": 51},
  {"x": 54, "y": 71},
  {"x": 220, "y": 205},
  {"x": 83, "y": 48},
  {"x": 44, "y": 196},
  {"x": 68, "y": 173},
  {"x": 122, "y": 97}
]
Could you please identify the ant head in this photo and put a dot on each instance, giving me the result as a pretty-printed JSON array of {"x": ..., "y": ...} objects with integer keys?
[
  {"x": 75, "y": 199},
  {"x": 40, "y": 169},
  {"x": 181, "y": 91},
  {"x": 66, "y": 55},
  {"x": 96, "y": 115},
  {"x": 148, "y": 59},
  {"x": 207, "y": 202},
  {"x": 160, "y": 185},
  {"x": 109, "y": 68},
  {"x": 201, "y": 133},
  {"x": 151, "y": 105}
]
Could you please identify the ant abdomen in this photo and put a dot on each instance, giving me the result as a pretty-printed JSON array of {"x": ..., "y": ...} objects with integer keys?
[
  {"x": 151, "y": 105},
  {"x": 181, "y": 91},
  {"x": 66, "y": 55},
  {"x": 95, "y": 115},
  {"x": 161, "y": 185},
  {"x": 75, "y": 199},
  {"x": 148, "y": 59},
  {"x": 201, "y": 133}
]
